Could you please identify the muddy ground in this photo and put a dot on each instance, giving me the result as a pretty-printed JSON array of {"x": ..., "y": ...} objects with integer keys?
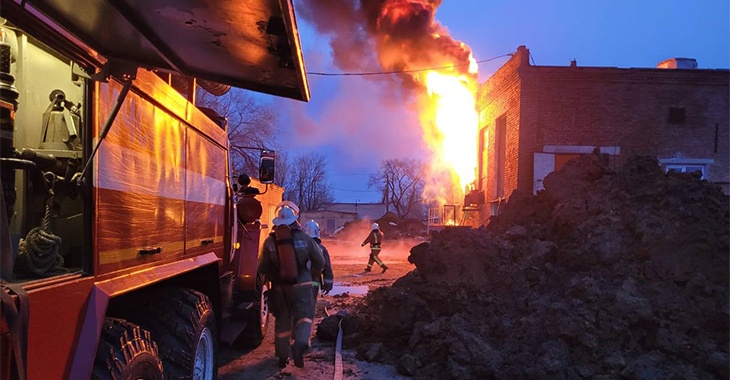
[{"x": 349, "y": 261}]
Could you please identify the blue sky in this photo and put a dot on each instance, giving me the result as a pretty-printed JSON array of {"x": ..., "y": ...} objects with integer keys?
[{"x": 357, "y": 122}]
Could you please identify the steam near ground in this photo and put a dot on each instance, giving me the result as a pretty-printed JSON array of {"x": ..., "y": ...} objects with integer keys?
[{"x": 348, "y": 250}]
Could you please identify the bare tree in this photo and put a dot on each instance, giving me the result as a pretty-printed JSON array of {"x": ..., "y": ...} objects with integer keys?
[
  {"x": 282, "y": 170},
  {"x": 401, "y": 182},
  {"x": 251, "y": 124},
  {"x": 308, "y": 184}
]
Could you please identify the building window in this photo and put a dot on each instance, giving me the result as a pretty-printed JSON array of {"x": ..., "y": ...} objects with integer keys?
[
  {"x": 686, "y": 169},
  {"x": 483, "y": 159},
  {"x": 676, "y": 115},
  {"x": 687, "y": 165},
  {"x": 500, "y": 136}
]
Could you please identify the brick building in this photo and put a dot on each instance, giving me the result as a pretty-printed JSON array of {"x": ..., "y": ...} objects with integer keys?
[{"x": 534, "y": 118}]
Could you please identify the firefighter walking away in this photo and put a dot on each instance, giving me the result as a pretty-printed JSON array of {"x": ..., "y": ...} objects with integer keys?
[
  {"x": 326, "y": 280},
  {"x": 291, "y": 260},
  {"x": 375, "y": 239}
]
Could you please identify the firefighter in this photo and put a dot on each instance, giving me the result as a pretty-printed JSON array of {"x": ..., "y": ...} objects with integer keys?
[
  {"x": 325, "y": 281},
  {"x": 288, "y": 250},
  {"x": 375, "y": 238}
]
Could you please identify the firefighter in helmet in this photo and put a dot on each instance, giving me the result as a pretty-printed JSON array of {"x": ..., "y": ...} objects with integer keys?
[
  {"x": 375, "y": 239},
  {"x": 291, "y": 260},
  {"x": 324, "y": 282}
]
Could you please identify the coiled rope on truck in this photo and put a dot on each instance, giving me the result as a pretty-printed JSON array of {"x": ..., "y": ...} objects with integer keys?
[{"x": 39, "y": 250}]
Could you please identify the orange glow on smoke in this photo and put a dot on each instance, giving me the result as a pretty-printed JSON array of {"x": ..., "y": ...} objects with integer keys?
[
  {"x": 410, "y": 39},
  {"x": 450, "y": 126}
]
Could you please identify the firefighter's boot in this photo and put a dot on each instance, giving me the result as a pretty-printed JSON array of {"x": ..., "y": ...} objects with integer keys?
[{"x": 298, "y": 355}]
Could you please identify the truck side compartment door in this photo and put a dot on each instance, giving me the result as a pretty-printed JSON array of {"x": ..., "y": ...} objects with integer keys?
[
  {"x": 139, "y": 179},
  {"x": 205, "y": 195}
]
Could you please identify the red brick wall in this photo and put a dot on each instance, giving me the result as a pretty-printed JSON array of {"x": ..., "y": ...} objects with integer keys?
[
  {"x": 500, "y": 96},
  {"x": 590, "y": 106},
  {"x": 628, "y": 108}
]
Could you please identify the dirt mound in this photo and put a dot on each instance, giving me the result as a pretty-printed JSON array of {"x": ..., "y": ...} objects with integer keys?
[{"x": 604, "y": 274}]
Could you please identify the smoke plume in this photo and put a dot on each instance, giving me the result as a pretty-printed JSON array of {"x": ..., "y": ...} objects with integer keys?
[{"x": 397, "y": 35}]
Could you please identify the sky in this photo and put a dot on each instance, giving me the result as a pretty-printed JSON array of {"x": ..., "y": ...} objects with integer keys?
[{"x": 356, "y": 122}]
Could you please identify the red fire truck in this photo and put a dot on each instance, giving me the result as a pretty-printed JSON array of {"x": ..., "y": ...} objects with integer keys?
[{"x": 123, "y": 253}]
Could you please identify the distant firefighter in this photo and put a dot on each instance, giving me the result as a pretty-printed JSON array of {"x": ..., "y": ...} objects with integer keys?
[{"x": 375, "y": 239}]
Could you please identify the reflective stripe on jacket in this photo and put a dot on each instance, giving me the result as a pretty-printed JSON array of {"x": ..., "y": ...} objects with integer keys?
[{"x": 375, "y": 238}]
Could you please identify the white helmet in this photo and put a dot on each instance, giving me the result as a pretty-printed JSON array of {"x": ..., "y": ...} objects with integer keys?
[
  {"x": 312, "y": 228},
  {"x": 289, "y": 204},
  {"x": 376, "y": 226},
  {"x": 285, "y": 216}
]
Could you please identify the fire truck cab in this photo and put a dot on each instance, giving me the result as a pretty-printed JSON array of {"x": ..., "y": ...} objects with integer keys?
[{"x": 122, "y": 253}]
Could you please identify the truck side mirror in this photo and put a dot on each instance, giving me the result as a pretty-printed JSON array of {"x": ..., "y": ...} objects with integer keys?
[{"x": 267, "y": 165}]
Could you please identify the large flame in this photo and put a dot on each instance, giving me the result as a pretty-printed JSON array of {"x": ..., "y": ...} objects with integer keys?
[
  {"x": 456, "y": 120},
  {"x": 450, "y": 123}
]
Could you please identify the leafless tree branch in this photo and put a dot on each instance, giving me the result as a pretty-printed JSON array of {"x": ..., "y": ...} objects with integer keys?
[{"x": 401, "y": 181}]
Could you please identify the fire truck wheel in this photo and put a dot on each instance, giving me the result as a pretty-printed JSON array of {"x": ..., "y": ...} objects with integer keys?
[
  {"x": 257, "y": 318},
  {"x": 126, "y": 351},
  {"x": 182, "y": 322}
]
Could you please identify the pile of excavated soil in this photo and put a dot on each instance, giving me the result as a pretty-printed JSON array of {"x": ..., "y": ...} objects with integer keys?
[{"x": 603, "y": 275}]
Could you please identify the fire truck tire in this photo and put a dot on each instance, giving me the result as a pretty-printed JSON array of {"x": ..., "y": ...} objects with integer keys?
[
  {"x": 126, "y": 352},
  {"x": 257, "y": 318},
  {"x": 182, "y": 322}
]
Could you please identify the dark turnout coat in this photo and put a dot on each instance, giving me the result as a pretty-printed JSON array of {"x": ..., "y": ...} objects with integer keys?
[
  {"x": 327, "y": 279},
  {"x": 375, "y": 239},
  {"x": 292, "y": 304}
]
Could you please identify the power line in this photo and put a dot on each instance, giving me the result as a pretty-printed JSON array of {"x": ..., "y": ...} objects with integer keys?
[
  {"x": 356, "y": 191},
  {"x": 402, "y": 71}
]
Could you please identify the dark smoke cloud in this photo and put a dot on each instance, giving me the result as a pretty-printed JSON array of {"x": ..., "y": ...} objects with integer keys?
[
  {"x": 344, "y": 24},
  {"x": 393, "y": 34}
]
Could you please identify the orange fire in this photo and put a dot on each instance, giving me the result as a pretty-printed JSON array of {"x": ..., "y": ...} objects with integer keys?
[
  {"x": 450, "y": 123},
  {"x": 408, "y": 37}
]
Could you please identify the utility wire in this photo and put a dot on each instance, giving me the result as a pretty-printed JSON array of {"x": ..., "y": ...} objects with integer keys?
[
  {"x": 356, "y": 191},
  {"x": 369, "y": 73}
]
